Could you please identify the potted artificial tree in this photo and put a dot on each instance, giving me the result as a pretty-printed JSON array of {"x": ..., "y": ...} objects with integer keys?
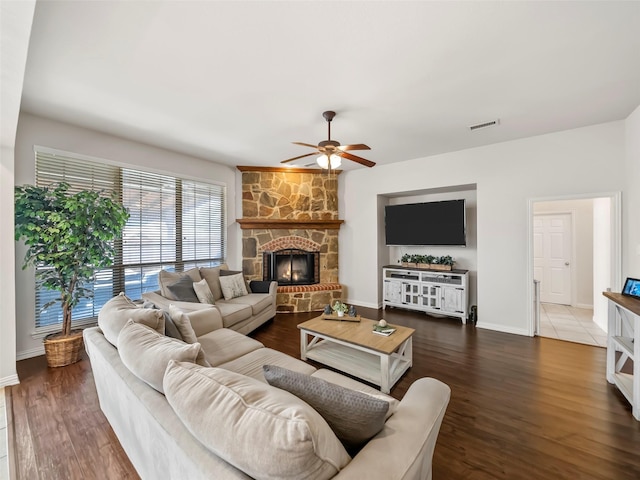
[{"x": 71, "y": 234}]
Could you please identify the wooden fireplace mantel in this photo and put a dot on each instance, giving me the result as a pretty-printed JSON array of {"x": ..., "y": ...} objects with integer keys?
[{"x": 275, "y": 223}]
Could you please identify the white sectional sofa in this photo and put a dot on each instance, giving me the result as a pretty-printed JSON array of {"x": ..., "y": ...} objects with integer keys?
[
  {"x": 192, "y": 433},
  {"x": 242, "y": 314}
]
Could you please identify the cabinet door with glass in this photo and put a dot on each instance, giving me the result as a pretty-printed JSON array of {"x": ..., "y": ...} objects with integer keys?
[
  {"x": 411, "y": 293},
  {"x": 431, "y": 296}
]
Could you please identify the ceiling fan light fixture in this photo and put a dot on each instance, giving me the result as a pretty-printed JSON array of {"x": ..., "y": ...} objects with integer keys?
[
  {"x": 327, "y": 148},
  {"x": 325, "y": 160}
]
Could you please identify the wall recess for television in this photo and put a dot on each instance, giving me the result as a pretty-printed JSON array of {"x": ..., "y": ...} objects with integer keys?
[{"x": 440, "y": 223}]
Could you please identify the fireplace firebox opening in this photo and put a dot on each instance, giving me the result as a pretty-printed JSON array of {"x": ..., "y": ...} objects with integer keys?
[{"x": 291, "y": 267}]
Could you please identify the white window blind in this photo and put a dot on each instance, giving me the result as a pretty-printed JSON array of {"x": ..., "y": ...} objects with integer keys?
[{"x": 174, "y": 224}]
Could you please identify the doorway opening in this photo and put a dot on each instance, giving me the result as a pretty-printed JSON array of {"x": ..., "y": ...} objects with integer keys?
[{"x": 574, "y": 255}]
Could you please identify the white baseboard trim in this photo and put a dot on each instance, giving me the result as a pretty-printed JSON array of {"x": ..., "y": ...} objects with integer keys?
[
  {"x": 363, "y": 304},
  {"x": 33, "y": 352},
  {"x": 9, "y": 380},
  {"x": 503, "y": 328}
]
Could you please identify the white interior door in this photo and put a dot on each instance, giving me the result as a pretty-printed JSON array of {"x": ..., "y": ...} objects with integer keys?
[{"x": 552, "y": 257}]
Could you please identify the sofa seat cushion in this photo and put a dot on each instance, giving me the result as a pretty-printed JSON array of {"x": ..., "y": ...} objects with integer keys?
[
  {"x": 264, "y": 431},
  {"x": 251, "y": 363},
  {"x": 233, "y": 313},
  {"x": 257, "y": 301},
  {"x": 224, "y": 345}
]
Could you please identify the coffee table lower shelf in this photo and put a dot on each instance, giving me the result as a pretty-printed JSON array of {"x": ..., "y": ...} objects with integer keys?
[{"x": 374, "y": 367}]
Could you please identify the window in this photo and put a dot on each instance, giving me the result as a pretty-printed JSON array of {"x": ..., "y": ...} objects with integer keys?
[{"x": 174, "y": 224}]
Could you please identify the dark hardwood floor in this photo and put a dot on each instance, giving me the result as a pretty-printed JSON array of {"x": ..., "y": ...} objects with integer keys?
[{"x": 521, "y": 408}]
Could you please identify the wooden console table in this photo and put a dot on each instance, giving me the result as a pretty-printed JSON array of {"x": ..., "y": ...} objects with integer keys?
[{"x": 624, "y": 336}]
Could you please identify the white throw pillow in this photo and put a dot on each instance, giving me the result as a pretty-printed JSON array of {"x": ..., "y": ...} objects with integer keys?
[
  {"x": 233, "y": 286},
  {"x": 183, "y": 324},
  {"x": 203, "y": 292},
  {"x": 264, "y": 431}
]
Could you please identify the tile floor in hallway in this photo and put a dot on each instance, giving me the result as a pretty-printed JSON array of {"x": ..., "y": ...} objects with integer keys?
[{"x": 571, "y": 324}]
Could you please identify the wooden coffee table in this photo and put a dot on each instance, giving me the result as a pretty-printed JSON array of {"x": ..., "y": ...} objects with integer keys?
[{"x": 353, "y": 348}]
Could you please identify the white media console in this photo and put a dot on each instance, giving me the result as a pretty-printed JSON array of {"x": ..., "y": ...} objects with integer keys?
[{"x": 431, "y": 291}]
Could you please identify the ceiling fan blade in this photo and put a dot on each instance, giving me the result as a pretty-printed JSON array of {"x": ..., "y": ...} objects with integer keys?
[
  {"x": 305, "y": 144},
  {"x": 296, "y": 158},
  {"x": 357, "y": 146},
  {"x": 360, "y": 160}
]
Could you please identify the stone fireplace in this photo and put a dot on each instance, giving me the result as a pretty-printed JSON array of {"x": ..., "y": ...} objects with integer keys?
[{"x": 292, "y": 213}]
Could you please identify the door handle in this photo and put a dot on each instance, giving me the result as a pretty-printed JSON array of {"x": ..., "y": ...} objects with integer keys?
[{"x": 566, "y": 263}]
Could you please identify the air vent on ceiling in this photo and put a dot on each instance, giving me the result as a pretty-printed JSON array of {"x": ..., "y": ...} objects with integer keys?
[{"x": 492, "y": 123}]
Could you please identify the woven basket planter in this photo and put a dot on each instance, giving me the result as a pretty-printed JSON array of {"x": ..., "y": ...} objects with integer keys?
[
  {"x": 435, "y": 266},
  {"x": 63, "y": 350}
]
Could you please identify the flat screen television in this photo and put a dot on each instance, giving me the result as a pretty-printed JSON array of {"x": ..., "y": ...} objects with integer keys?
[{"x": 430, "y": 223}]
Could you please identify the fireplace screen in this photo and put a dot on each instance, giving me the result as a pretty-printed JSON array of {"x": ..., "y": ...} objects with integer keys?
[{"x": 292, "y": 267}]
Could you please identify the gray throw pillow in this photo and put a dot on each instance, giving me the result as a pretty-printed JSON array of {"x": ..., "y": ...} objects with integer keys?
[
  {"x": 170, "y": 329},
  {"x": 228, "y": 273},
  {"x": 354, "y": 417},
  {"x": 183, "y": 290},
  {"x": 168, "y": 278}
]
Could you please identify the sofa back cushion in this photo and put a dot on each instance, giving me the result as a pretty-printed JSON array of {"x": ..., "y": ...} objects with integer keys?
[
  {"x": 166, "y": 278},
  {"x": 212, "y": 276},
  {"x": 264, "y": 431},
  {"x": 116, "y": 312},
  {"x": 146, "y": 353}
]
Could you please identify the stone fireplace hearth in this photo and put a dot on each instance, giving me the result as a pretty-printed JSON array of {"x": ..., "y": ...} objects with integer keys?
[{"x": 294, "y": 210}]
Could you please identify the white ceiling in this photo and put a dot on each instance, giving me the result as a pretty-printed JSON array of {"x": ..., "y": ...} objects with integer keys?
[{"x": 236, "y": 82}]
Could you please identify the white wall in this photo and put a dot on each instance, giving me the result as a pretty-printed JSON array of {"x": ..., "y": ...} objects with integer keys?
[
  {"x": 582, "y": 237},
  {"x": 15, "y": 27},
  {"x": 33, "y": 130},
  {"x": 602, "y": 261},
  {"x": 631, "y": 198},
  {"x": 506, "y": 175}
]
